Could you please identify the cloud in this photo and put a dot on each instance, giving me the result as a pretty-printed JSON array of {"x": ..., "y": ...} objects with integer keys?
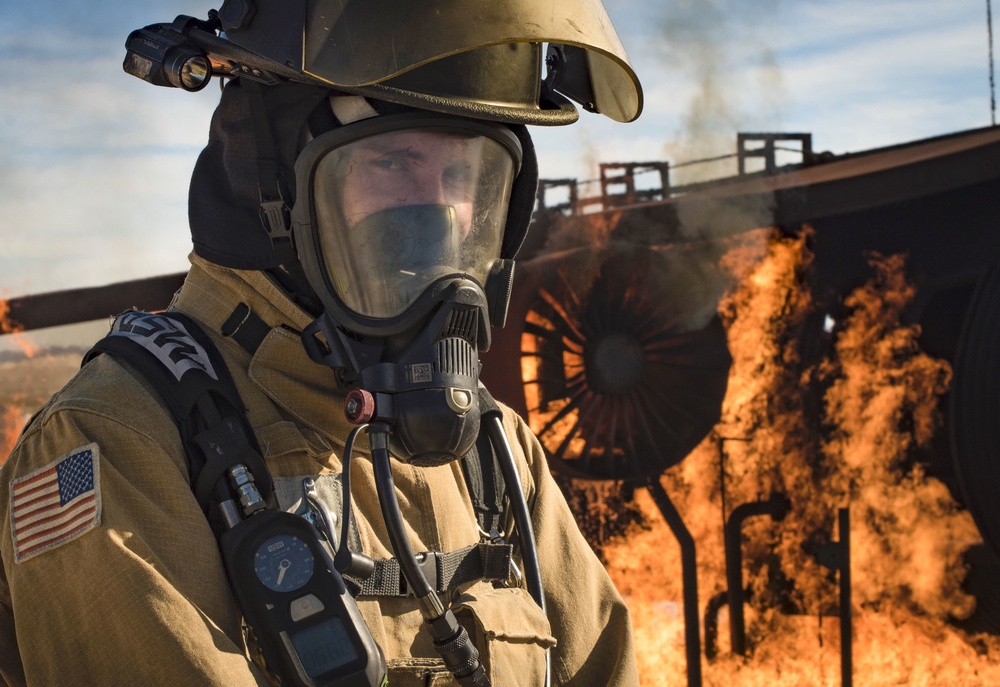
[
  {"x": 89, "y": 221},
  {"x": 90, "y": 104},
  {"x": 96, "y": 164},
  {"x": 902, "y": 86}
]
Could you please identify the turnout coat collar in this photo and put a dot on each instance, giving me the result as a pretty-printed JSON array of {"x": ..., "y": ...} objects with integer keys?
[{"x": 280, "y": 366}]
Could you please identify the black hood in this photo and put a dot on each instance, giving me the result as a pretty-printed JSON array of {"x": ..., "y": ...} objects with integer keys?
[{"x": 224, "y": 199}]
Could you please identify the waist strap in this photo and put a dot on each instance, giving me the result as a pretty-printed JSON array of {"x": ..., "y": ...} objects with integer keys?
[{"x": 484, "y": 561}]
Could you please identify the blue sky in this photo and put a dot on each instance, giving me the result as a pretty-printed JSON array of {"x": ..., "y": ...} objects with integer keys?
[{"x": 95, "y": 164}]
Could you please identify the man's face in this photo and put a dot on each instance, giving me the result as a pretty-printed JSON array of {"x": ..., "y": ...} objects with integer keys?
[
  {"x": 398, "y": 209},
  {"x": 411, "y": 168}
]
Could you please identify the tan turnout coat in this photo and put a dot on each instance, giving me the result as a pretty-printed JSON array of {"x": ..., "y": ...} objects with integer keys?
[{"x": 140, "y": 597}]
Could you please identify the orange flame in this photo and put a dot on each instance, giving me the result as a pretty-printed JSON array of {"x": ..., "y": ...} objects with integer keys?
[
  {"x": 14, "y": 329},
  {"x": 909, "y": 533},
  {"x": 844, "y": 430}
]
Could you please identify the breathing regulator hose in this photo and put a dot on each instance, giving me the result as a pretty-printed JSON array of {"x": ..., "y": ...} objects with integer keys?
[{"x": 451, "y": 640}]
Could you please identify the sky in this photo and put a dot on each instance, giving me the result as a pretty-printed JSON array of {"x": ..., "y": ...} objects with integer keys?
[{"x": 95, "y": 164}]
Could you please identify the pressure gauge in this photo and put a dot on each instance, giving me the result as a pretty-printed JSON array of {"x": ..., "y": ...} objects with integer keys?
[{"x": 283, "y": 563}]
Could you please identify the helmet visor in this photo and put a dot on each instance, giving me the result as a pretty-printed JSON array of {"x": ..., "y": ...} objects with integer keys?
[
  {"x": 397, "y": 210},
  {"x": 348, "y": 43}
]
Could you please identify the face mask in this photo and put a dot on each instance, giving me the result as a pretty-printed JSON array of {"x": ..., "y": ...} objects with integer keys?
[{"x": 399, "y": 224}]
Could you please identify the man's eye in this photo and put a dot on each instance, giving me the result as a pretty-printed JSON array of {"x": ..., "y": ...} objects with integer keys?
[
  {"x": 458, "y": 176},
  {"x": 388, "y": 163}
]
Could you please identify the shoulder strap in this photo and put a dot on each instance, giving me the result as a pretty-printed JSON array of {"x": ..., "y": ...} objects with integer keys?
[
  {"x": 178, "y": 358},
  {"x": 486, "y": 486}
]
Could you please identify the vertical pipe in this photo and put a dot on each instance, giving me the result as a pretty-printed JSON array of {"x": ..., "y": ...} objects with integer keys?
[
  {"x": 989, "y": 33},
  {"x": 689, "y": 568},
  {"x": 734, "y": 585},
  {"x": 846, "y": 658},
  {"x": 711, "y": 624},
  {"x": 777, "y": 507},
  {"x": 836, "y": 555}
]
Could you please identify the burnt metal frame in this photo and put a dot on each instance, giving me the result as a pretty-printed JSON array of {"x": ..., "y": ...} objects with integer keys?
[
  {"x": 623, "y": 174},
  {"x": 568, "y": 206}
]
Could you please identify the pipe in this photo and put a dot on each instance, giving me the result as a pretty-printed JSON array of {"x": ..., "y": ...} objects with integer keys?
[
  {"x": 57, "y": 308},
  {"x": 712, "y": 609},
  {"x": 689, "y": 570},
  {"x": 846, "y": 634},
  {"x": 777, "y": 507},
  {"x": 836, "y": 555}
]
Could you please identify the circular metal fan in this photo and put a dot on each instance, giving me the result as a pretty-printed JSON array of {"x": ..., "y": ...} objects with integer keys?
[
  {"x": 975, "y": 408},
  {"x": 623, "y": 359}
]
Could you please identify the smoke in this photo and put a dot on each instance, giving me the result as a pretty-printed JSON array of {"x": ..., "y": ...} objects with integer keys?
[
  {"x": 718, "y": 52},
  {"x": 732, "y": 80}
]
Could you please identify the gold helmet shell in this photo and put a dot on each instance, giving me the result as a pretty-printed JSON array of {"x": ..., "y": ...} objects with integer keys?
[{"x": 464, "y": 57}]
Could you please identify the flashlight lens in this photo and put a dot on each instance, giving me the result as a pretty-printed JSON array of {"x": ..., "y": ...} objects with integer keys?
[{"x": 195, "y": 73}]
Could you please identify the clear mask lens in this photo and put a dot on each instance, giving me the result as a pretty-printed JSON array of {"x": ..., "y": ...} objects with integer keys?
[{"x": 399, "y": 210}]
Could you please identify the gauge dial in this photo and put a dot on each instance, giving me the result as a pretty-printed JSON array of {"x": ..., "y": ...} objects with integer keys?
[{"x": 283, "y": 563}]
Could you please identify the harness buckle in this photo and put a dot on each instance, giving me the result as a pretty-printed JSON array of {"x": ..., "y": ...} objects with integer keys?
[
  {"x": 429, "y": 564},
  {"x": 274, "y": 215}
]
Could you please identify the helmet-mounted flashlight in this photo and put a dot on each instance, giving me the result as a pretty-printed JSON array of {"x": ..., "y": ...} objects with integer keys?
[
  {"x": 163, "y": 55},
  {"x": 462, "y": 62}
]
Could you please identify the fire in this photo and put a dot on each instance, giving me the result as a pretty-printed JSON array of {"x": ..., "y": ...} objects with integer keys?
[
  {"x": 14, "y": 329},
  {"x": 12, "y": 418},
  {"x": 11, "y": 421},
  {"x": 832, "y": 416},
  {"x": 910, "y": 534}
]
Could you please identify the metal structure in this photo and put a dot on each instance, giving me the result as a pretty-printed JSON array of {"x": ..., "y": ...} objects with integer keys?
[
  {"x": 836, "y": 555},
  {"x": 765, "y": 146},
  {"x": 634, "y": 291}
]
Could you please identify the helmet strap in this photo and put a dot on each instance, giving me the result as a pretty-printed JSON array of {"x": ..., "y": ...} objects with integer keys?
[{"x": 275, "y": 211}]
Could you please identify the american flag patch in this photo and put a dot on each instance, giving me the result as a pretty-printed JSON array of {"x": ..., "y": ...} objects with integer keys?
[{"x": 55, "y": 504}]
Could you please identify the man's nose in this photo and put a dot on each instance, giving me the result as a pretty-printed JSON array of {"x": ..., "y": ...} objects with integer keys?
[{"x": 430, "y": 188}]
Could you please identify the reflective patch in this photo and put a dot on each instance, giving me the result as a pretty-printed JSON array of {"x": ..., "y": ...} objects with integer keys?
[
  {"x": 165, "y": 338},
  {"x": 290, "y": 492},
  {"x": 55, "y": 504}
]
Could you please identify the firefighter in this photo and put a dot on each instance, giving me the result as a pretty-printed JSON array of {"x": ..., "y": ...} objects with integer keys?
[{"x": 368, "y": 168}]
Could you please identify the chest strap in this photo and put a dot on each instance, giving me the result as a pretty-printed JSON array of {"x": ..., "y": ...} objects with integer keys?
[
  {"x": 444, "y": 571},
  {"x": 486, "y": 486}
]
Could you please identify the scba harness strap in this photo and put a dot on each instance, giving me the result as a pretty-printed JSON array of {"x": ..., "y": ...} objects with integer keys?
[
  {"x": 183, "y": 365},
  {"x": 180, "y": 361}
]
